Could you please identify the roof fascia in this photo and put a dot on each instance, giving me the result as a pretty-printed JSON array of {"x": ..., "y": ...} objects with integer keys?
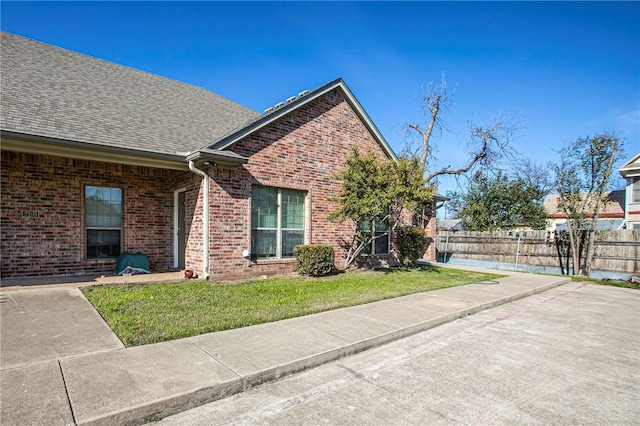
[
  {"x": 630, "y": 170},
  {"x": 36, "y": 144},
  {"x": 269, "y": 118},
  {"x": 439, "y": 197},
  {"x": 216, "y": 158}
]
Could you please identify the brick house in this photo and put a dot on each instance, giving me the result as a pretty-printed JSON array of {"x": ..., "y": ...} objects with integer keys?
[{"x": 100, "y": 159}]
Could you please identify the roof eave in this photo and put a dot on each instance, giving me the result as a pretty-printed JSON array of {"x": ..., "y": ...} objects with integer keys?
[
  {"x": 628, "y": 169},
  {"x": 439, "y": 197},
  {"x": 46, "y": 145},
  {"x": 216, "y": 158},
  {"x": 269, "y": 118}
]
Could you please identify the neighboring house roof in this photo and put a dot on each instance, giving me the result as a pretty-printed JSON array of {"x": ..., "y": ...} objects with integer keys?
[
  {"x": 601, "y": 225},
  {"x": 613, "y": 209},
  {"x": 449, "y": 225},
  {"x": 439, "y": 197},
  {"x": 631, "y": 168},
  {"x": 56, "y": 93}
]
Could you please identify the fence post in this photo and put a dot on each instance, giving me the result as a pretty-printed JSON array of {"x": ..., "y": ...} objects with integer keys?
[
  {"x": 446, "y": 245},
  {"x": 515, "y": 267}
]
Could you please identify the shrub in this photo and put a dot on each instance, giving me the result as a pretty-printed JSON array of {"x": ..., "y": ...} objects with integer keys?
[
  {"x": 412, "y": 243},
  {"x": 316, "y": 260}
]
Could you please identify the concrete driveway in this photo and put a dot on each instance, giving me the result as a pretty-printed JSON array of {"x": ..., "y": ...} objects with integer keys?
[
  {"x": 568, "y": 356},
  {"x": 48, "y": 324}
]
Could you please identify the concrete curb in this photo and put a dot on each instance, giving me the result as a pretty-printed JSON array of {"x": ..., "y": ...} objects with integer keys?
[{"x": 154, "y": 410}]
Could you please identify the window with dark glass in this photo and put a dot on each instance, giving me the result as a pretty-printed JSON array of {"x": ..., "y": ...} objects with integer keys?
[
  {"x": 277, "y": 221},
  {"x": 380, "y": 243},
  {"x": 103, "y": 221}
]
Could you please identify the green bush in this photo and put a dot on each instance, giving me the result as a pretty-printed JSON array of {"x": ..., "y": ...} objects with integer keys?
[
  {"x": 316, "y": 260},
  {"x": 412, "y": 243}
]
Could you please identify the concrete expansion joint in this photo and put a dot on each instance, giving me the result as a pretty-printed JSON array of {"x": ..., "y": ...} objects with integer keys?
[
  {"x": 215, "y": 358},
  {"x": 66, "y": 392}
]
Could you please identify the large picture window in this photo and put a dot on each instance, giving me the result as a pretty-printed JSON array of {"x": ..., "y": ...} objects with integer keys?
[
  {"x": 277, "y": 221},
  {"x": 380, "y": 244},
  {"x": 103, "y": 221}
]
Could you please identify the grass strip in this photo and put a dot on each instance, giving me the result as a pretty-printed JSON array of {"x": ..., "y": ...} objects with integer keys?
[
  {"x": 150, "y": 313},
  {"x": 609, "y": 282}
]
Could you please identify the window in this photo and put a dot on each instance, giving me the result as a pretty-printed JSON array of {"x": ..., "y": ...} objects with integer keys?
[
  {"x": 103, "y": 221},
  {"x": 635, "y": 191},
  {"x": 422, "y": 219},
  {"x": 277, "y": 221},
  {"x": 380, "y": 244}
]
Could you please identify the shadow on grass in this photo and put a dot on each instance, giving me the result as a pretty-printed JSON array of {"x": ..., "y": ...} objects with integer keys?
[{"x": 419, "y": 268}]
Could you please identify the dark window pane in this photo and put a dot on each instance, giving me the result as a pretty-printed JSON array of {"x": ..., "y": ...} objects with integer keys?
[
  {"x": 103, "y": 243},
  {"x": 381, "y": 225},
  {"x": 264, "y": 207},
  {"x": 292, "y": 209},
  {"x": 290, "y": 239},
  {"x": 367, "y": 249},
  {"x": 263, "y": 243},
  {"x": 381, "y": 243}
]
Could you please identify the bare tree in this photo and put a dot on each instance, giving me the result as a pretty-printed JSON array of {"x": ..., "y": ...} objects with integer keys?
[
  {"x": 487, "y": 143},
  {"x": 435, "y": 99},
  {"x": 534, "y": 174}
]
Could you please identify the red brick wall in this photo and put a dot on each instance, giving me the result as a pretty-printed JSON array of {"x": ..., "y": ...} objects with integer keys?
[
  {"x": 430, "y": 232},
  {"x": 53, "y": 244},
  {"x": 299, "y": 151}
]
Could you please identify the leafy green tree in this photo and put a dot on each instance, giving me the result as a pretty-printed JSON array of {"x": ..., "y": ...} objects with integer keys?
[
  {"x": 583, "y": 174},
  {"x": 497, "y": 202},
  {"x": 376, "y": 190}
]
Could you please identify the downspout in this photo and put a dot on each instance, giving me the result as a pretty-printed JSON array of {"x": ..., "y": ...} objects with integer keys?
[{"x": 205, "y": 219}]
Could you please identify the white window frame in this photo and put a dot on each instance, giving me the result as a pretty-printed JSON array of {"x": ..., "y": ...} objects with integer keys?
[
  {"x": 279, "y": 229},
  {"x": 372, "y": 247},
  {"x": 635, "y": 187},
  {"x": 103, "y": 228}
]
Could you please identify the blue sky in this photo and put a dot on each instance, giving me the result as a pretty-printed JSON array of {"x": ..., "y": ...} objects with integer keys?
[{"x": 565, "y": 69}]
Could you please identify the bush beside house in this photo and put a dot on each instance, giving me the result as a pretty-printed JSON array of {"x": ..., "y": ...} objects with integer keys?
[{"x": 316, "y": 260}]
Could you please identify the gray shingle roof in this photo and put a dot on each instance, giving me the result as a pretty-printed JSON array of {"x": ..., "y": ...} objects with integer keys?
[{"x": 57, "y": 93}]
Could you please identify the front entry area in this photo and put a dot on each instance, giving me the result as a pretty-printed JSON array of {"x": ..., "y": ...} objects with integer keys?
[{"x": 179, "y": 229}]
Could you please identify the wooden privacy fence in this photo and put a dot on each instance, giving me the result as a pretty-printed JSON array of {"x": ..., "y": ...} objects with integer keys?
[{"x": 616, "y": 251}]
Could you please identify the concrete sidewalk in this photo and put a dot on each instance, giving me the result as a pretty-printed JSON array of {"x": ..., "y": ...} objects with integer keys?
[{"x": 110, "y": 384}]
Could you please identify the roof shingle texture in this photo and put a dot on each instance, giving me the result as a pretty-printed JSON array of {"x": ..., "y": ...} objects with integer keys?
[
  {"x": 614, "y": 206},
  {"x": 53, "y": 92}
]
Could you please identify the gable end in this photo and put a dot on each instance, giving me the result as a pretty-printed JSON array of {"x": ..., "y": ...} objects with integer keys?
[{"x": 300, "y": 102}]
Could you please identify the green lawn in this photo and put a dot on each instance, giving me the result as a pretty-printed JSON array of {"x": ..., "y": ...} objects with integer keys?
[{"x": 157, "y": 312}]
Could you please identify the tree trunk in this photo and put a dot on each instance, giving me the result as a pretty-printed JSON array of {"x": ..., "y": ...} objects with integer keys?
[
  {"x": 591, "y": 242},
  {"x": 574, "y": 243}
]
